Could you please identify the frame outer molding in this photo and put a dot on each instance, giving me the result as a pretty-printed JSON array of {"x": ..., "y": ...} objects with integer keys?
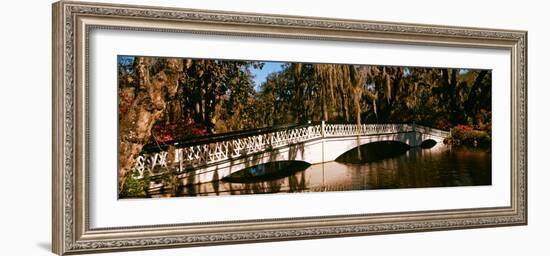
[
  {"x": 73, "y": 20},
  {"x": 57, "y": 129}
]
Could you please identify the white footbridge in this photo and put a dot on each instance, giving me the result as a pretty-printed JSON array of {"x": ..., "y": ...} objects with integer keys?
[{"x": 210, "y": 160}]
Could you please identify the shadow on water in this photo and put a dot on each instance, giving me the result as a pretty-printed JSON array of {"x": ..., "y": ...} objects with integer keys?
[
  {"x": 372, "y": 152},
  {"x": 267, "y": 172},
  {"x": 428, "y": 143},
  {"x": 216, "y": 182}
]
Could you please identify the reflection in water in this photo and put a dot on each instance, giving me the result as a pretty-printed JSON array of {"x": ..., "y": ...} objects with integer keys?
[
  {"x": 428, "y": 143},
  {"x": 265, "y": 172},
  {"x": 373, "y": 151},
  {"x": 435, "y": 167}
]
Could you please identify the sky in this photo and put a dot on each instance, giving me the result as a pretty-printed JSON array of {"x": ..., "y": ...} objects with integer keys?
[
  {"x": 125, "y": 60},
  {"x": 260, "y": 75}
]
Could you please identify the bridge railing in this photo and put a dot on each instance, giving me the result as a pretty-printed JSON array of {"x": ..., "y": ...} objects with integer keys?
[
  {"x": 432, "y": 131},
  {"x": 193, "y": 156},
  {"x": 338, "y": 130}
]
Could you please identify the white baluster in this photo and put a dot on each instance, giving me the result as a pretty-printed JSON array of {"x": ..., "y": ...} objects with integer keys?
[
  {"x": 154, "y": 158},
  {"x": 140, "y": 166},
  {"x": 162, "y": 159}
]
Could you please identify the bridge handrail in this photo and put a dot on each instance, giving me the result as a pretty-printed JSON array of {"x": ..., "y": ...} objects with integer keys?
[
  {"x": 432, "y": 131},
  {"x": 335, "y": 130},
  {"x": 212, "y": 138}
]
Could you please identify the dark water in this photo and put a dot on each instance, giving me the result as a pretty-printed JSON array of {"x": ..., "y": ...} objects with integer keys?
[
  {"x": 416, "y": 168},
  {"x": 372, "y": 152},
  {"x": 267, "y": 172}
]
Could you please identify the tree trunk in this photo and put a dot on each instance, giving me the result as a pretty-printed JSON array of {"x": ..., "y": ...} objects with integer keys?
[
  {"x": 147, "y": 108},
  {"x": 345, "y": 109},
  {"x": 454, "y": 97},
  {"x": 473, "y": 96},
  {"x": 324, "y": 102}
]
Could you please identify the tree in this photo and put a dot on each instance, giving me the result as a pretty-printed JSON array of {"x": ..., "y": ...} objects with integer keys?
[{"x": 157, "y": 81}]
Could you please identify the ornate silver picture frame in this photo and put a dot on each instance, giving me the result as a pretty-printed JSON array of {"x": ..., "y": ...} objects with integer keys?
[{"x": 73, "y": 204}]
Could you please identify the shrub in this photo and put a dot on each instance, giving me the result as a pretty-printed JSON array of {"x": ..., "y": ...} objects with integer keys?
[
  {"x": 135, "y": 187},
  {"x": 468, "y": 136}
]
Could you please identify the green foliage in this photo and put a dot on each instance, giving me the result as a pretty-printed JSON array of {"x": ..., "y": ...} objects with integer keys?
[
  {"x": 440, "y": 98},
  {"x": 218, "y": 96},
  {"x": 467, "y": 136},
  {"x": 135, "y": 187}
]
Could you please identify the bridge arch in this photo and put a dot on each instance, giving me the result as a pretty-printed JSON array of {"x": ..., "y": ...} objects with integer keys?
[
  {"x": 373, "y": 151},
  {"x": 428, "y": 143}
]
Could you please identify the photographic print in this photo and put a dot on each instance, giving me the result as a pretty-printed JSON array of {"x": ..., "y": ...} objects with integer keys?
[
  {"x": 393, "y": 127},
  {"x": 209, "y": 127}
]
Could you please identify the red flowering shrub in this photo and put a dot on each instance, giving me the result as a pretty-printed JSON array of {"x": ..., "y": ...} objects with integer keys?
[
  {"x": 199, "y": 131},
  {"x": 467, "y": 135},
  {"x": 177, "y": 131}
]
